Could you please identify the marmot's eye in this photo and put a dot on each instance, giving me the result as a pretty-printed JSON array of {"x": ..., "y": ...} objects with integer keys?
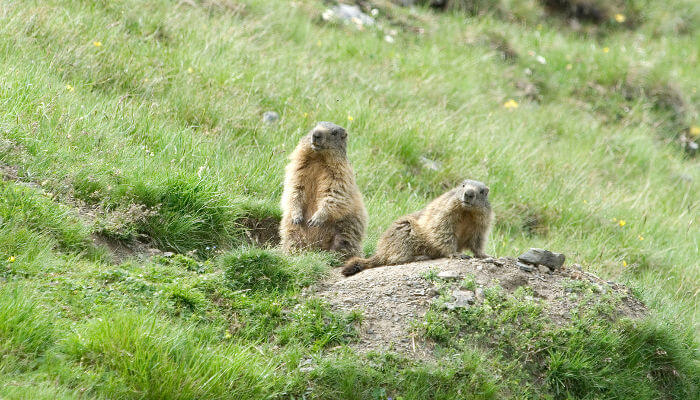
[{"x": 334, "y": 133}]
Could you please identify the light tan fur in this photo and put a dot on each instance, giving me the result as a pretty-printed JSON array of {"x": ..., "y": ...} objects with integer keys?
[
  {"x": 457, "y": 220},
  {"x": 322, "y": 207}
]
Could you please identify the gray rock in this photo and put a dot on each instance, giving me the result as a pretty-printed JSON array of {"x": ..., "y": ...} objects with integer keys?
[
  {"x": 270, "y": 117},
  {"x": 430, "y": 164},
  {"x": 348, "y": 13},
  {"x": 449, "y": 275},
  {"x": 461, "y": 299},
  {"x": 543, "y": 269},
  {"x": 543, "y": 257},
  {"x": 168, "y": 254},
  {"x": 499, "y": 262},
  {"x": 479, "y": 292},
  {"x": 525, "y": 267}
]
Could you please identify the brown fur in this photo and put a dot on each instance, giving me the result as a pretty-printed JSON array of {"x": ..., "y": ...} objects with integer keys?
[
  {"x": 322, "y": 206},
  {"x": 459, "y": 219}
]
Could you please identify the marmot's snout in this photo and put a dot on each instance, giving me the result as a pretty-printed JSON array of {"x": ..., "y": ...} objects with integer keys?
[
  {"x": 316, "y": 140},
  {"x": 469, "y": 196}
]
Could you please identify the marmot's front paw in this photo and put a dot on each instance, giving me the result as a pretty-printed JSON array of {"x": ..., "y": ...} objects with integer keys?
[
  {"x": 317, "y": 220},
  {"x": 481, "y": 255},
  {"x": 297, "y": 220}
]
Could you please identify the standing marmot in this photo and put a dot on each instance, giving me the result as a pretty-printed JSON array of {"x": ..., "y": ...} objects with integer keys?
[
  {"x": 459, "y": 219},
  {"x": 322, "y": 206}
]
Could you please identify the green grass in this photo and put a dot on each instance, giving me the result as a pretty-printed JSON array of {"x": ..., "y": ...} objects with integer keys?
[{"x": 141, "y": 122}]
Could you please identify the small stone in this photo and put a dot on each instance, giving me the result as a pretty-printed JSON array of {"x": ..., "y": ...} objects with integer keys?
[
  {"x": 449, "y": 275},
  {"x": 479, "y": 267},
  {"x": 543, "y": 269},
  {"x": 270, "y": 117},
  {"x": 348, "y": 13},
  {"x": 499, "y": 262},
  {"x": 306, "y": 369},
  {"x": 430, "y": 164},
  {"x": 577, "y": 267},
  {"x": 463, "y": 298},
  {"x": 168, "y": 254},
  {"x": 419, "y": 292},
  {"x": 489, "y": 260},
  {"x": 525, "y": 267},
  {"x": 479, "y": 292},
  {"x": 543, "y": 257}
]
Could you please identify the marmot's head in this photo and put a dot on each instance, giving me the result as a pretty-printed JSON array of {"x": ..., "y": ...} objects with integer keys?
[
  {"x": 473, "y": 194},
  {"x": 328, "y": 136}
]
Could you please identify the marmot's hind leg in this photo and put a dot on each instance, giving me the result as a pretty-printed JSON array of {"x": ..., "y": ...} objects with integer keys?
[
  {"x": 345, "y": 247},
  {"x": 348, "y": 237}
]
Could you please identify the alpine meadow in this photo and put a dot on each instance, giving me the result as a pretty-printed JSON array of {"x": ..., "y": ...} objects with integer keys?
[{"x": 142, "y": 155}]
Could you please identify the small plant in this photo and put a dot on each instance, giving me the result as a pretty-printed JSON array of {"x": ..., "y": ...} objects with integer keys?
[
  {"x": 257, "y": 269},
  {"x": 468, "y": 282}
]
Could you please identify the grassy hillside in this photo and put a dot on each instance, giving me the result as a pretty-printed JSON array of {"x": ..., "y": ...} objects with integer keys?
[{"x": 141, "y": 122}]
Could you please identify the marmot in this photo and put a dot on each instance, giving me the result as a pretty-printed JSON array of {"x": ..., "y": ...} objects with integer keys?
[
  {"x": 322, "y": 206},
  {"x": 459, "y": 219}
]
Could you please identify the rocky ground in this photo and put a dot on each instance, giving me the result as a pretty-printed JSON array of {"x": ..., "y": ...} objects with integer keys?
[{"x": 394, "y": 299}]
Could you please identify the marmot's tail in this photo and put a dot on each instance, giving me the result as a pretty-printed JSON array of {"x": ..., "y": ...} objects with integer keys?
[{"x": 357, "y": 264}]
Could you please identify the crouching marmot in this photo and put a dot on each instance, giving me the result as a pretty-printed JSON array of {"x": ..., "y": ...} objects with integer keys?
[
  {"x": 322, "y": 206},
  {"x": 459, "y": 219}
]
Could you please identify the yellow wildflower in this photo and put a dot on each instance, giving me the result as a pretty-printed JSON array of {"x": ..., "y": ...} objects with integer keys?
[
  {"x": 511, "y": 104},
  {"x": 70, "y": 88},
  {"x": 306, "y": 115},
  {"x": 620, "y": 18},
  {"x": 97, "y": 43},
  {"x": 190, "y": 70},
  {"x": 694, "y": 130},
  {"x": 318, "y": 43},
  {"x": 621, "y": 222},
  {"x": 11, "y": 259},
  {"x": 569, "y": 67},
  {"x": 227, "y": 334},
  {"x": 606, "y": 49},
  {"x": 640, "y": 237},
  {"x": 350, "y": 118},
  {"x": 624, "y": 263}
]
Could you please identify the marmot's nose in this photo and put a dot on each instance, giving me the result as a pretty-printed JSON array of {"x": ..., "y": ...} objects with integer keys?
[{"x": 316, "y": 136}]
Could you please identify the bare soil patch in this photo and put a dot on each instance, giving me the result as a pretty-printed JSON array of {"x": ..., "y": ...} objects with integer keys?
[{"x": 393, "y": 299}]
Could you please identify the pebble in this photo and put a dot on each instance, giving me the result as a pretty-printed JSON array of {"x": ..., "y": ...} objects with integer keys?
[
  {"x": 348, "y": 13},
  {"x": 270, "y": 117},
  {"x": 479, "y": 292},
  {"x": 429, "y": 164},
  {"x": 449, "y": 275},
  {"x": 499, "y": 262},
  {"x": 525, "y": 267},
  {"x": 543, "y": 269}
]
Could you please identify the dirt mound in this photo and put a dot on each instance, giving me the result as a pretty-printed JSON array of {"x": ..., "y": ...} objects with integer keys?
[{"x": 393, "y": 300}]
